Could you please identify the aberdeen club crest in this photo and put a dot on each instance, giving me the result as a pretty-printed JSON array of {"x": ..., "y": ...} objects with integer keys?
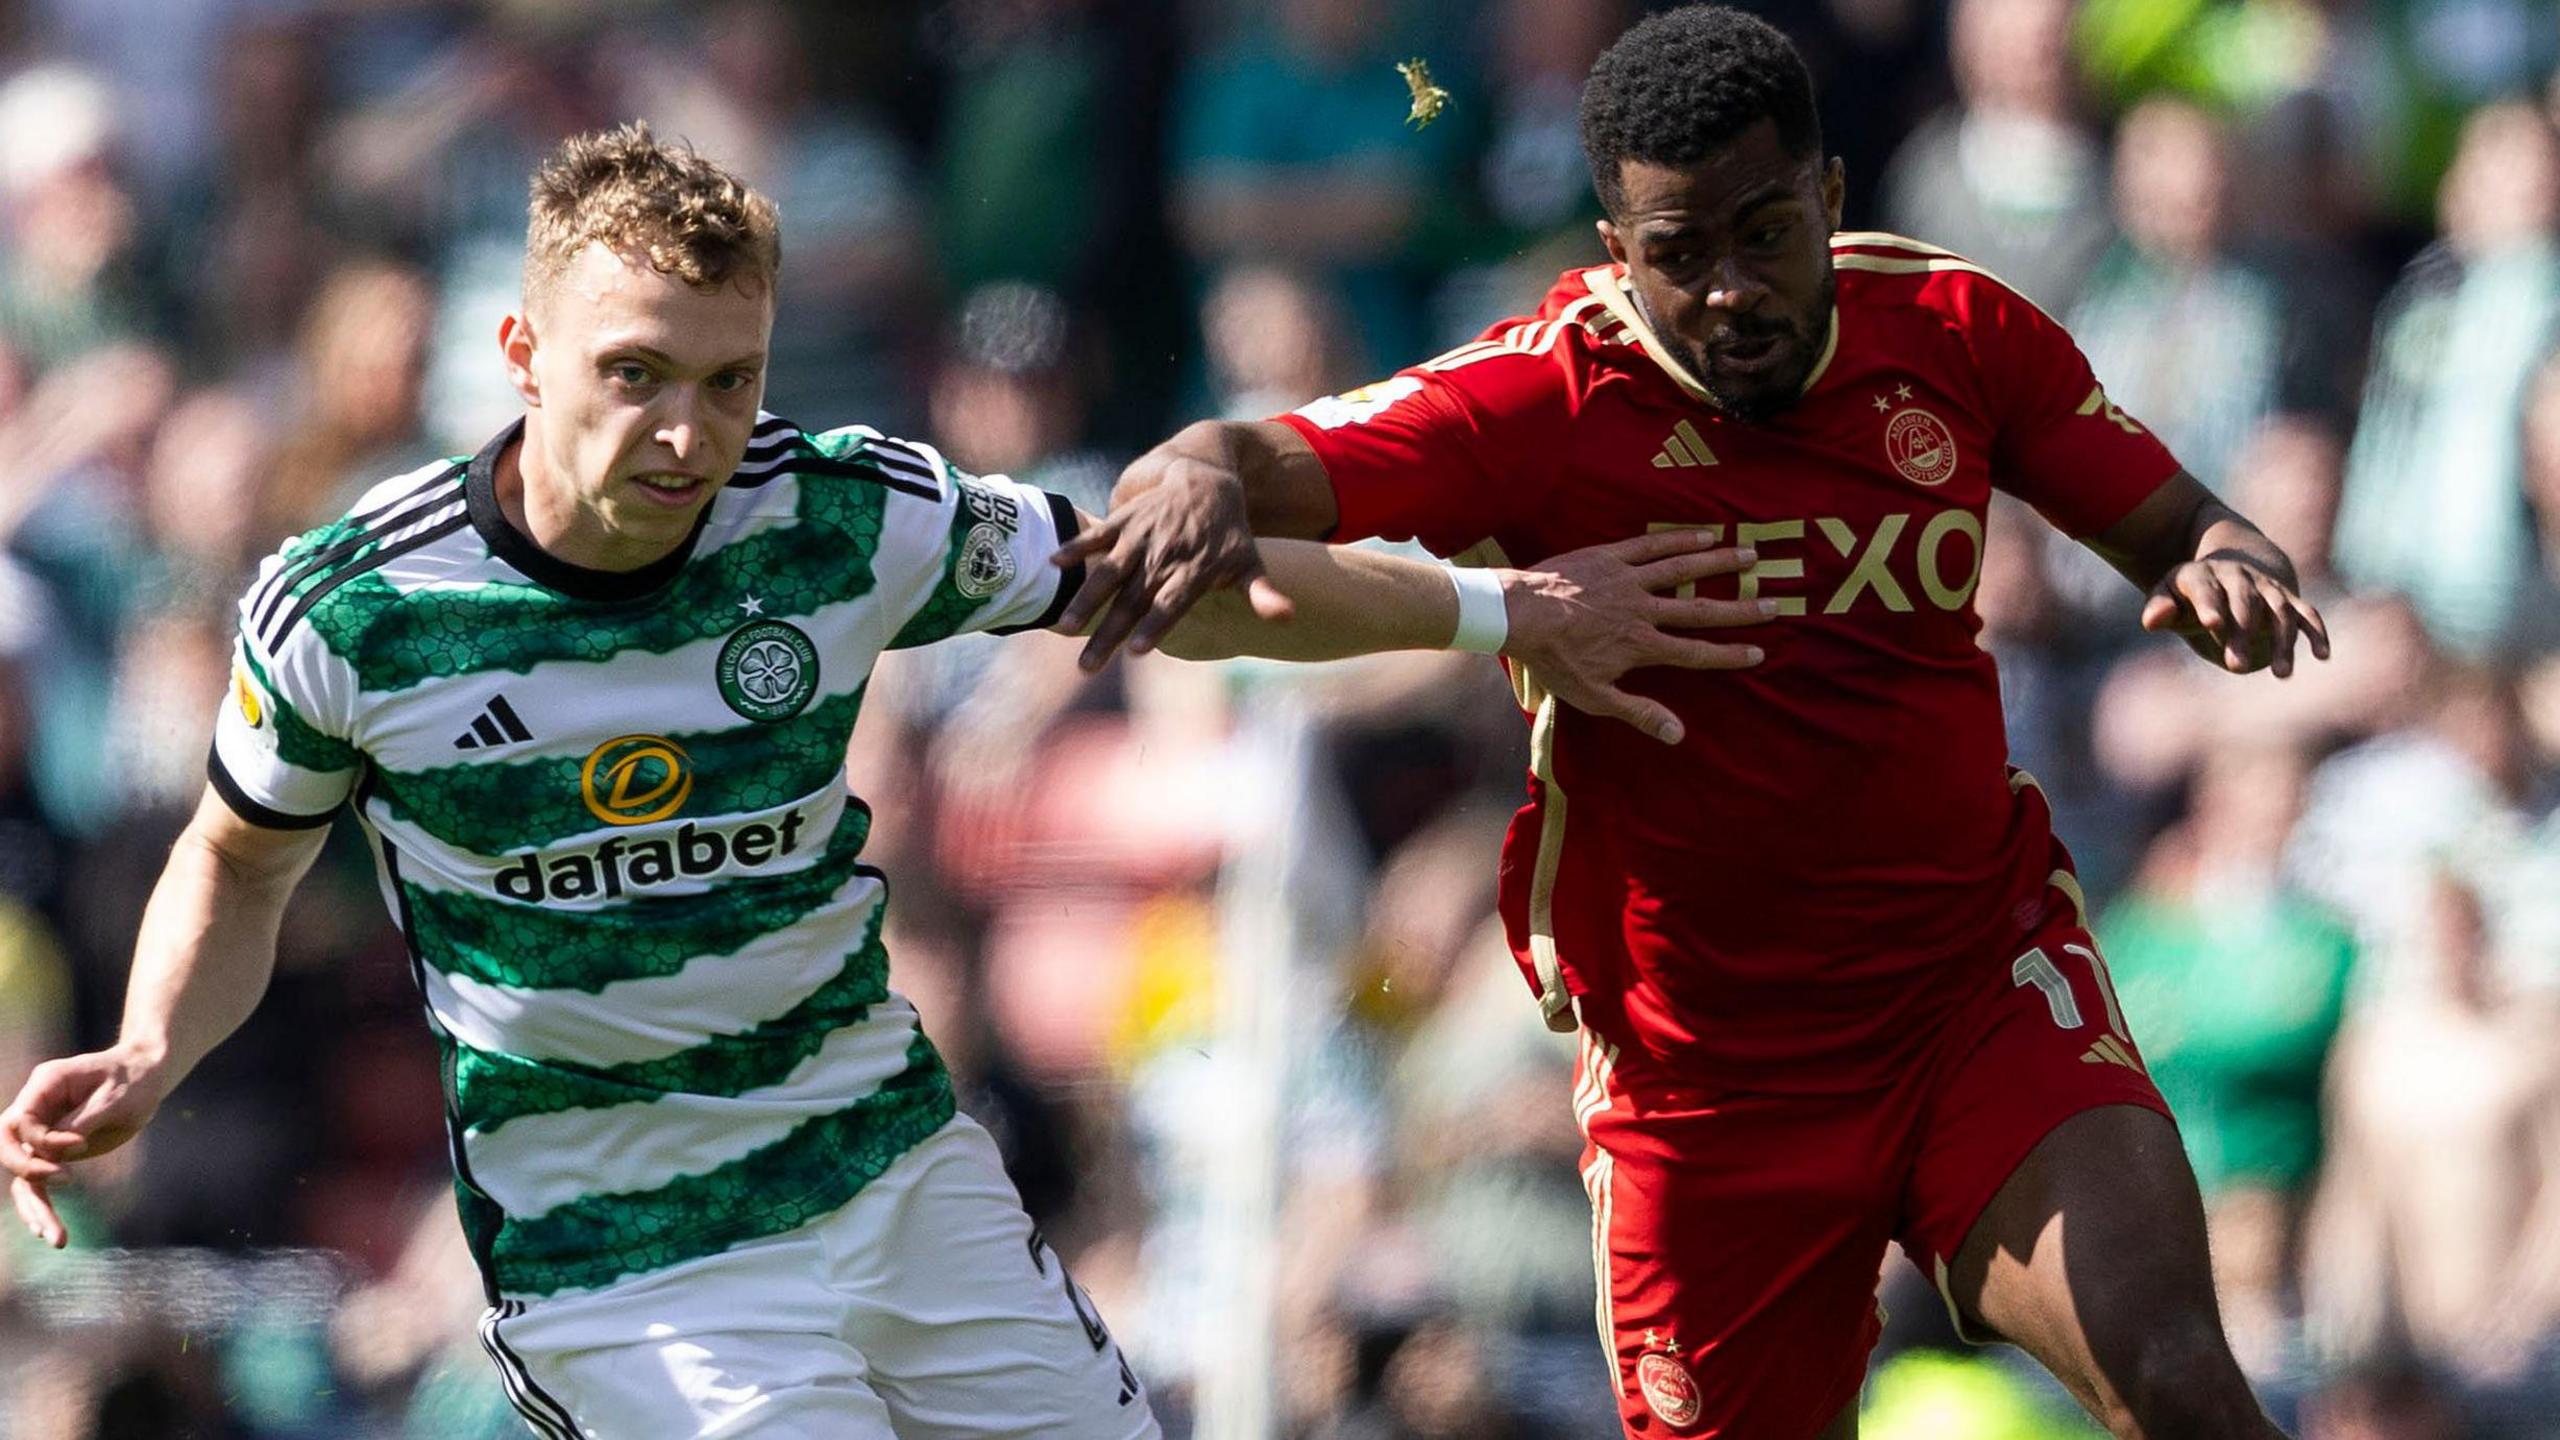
[
  {"x": 1920, "y": 447},
  {"x": 1670, "y": 1391}
]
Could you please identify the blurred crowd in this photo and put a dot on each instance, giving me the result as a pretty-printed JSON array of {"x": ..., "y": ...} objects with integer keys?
[{"x": 252, "y": 258}]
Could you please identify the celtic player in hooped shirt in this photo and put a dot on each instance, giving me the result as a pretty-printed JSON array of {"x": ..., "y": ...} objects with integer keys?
[
  {"x": 589, "y": 693},
  {"x": 1829, "y": 965}
]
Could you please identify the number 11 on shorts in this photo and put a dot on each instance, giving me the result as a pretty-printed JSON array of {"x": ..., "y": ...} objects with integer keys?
[{"x": 2037, "y": 968}]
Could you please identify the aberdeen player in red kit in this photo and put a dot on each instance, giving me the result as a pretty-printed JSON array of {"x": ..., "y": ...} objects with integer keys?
[{"x": 1830, "y": 968}]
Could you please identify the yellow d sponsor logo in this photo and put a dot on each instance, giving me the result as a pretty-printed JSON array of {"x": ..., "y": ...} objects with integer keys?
[
  {"x": 634, "y": 779},
  {"x": 250, "y": 710}
]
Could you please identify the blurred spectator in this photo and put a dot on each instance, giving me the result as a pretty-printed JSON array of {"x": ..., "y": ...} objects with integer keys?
[
  {"x": 2433, "y": 492},
  {"x": 73, "y": 521},
  {"x": 250, "y": 225},
  {"x": 203, "y": 502},
  {"x": 2234, "y": 985},
  {"x": 2010, "y": 176},
  {"x": 739, "y": 80},
  {"x": 2535, "y": 631},
  {"x": 2436, "y": 1220},
  {"x": 2387, "y": 813},
  {"x": 1272, "y": 341},
  {"x": 33, "y": 853},
  {"x": 35, "y": 993},
  {"x": 1532, "y": 172},
  {"x": 2326, "y": 87},
  {"x": 1290, "y": 146},
  {"x": 1010, "y": 398},
  {"x": 1026, "y": 130},
  {"x": 1528, "y": 207},
  {"x": 364, "y": 362},
  {"x": 70, "y": 277},
  {"x": 2052, "y": 664},
  {"x": 438, "y": 165},
  {"x": 153, "y": 53},
  {"x": 2180, "y": 331}
]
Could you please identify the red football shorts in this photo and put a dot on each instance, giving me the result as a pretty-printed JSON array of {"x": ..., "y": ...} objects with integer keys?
[{"x": 1738, "y": 1236}]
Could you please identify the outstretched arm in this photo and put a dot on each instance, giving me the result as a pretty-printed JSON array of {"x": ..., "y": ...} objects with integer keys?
[
  {"x": 1581, "y": 620},
  {"x": 1181, "y": 526},
  {"x": 2213, "y": 579},
  {"x": 206, "y": 950}
]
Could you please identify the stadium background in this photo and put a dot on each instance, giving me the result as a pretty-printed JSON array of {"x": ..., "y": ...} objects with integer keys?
[{"x": 1211, "y": 947}]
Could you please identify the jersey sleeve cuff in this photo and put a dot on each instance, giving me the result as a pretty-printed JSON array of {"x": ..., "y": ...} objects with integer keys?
[
  {"x": 1313, "y": 434},
  {"x": 250, "y": 809},
  {"x": 1062, "y": 513}
]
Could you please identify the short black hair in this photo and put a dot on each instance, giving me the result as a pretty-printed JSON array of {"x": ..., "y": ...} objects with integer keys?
[{"x": 1676, "y": 86}]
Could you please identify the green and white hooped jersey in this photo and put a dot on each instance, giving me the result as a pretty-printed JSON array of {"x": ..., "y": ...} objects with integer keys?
[{"x": 610, "y": 815}]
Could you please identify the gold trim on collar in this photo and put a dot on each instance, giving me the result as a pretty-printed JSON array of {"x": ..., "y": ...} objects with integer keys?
[
  {"x": 1830, "y": 347},
  {"x": 1602, "y": 280}
]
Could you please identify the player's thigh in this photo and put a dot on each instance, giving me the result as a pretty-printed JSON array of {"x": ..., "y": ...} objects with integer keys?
[
  {"x": 972, "y": 1326},
  {"x": 1737, "y": 1244},
  {"x": 2052, "y": 1199},
  {"x": 739, "y": 1346},
  {"x": 2092, "y": 1258}
]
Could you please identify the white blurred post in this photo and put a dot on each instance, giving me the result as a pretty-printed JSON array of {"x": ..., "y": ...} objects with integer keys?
[{"x": 1256, "y": 928}]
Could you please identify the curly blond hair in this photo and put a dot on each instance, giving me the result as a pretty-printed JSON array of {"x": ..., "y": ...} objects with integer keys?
[{"x": 653, "y": 199}]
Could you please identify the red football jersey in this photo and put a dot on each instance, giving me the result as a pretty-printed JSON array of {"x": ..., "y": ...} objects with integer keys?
[{"x": 1795, "y": 895}]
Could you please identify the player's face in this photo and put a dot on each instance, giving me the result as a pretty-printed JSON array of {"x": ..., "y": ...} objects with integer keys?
[
  {"x": 643, "y": 392},
  {"x": 1731, "y": 260}
]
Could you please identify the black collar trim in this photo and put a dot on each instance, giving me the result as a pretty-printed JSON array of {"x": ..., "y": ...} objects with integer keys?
[{"x": 480, "y": 488}]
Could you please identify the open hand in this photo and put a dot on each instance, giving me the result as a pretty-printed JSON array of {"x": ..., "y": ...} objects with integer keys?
[
  {"x": 1580, "y": 621},
  {"x": 2232, "y": 612},
  {"x": 1177, "y": 530},
  {"x": 70, "y": 1110}
]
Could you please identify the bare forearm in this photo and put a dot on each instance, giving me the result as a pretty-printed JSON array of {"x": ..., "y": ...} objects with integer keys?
[
  {"x": 1286, "y": 494},
  {"x": 2181, "y": 523},
  {"x": 1348, "y": 602},
  {"x": 2222, "y": 531},
  {"x": 206, "y": 950}
]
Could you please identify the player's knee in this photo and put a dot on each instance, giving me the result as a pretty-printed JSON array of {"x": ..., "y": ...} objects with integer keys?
[{"x": 2179, "y": 1380}]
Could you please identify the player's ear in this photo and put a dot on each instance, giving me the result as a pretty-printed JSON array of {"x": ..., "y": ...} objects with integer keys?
[
  {"x": 1835, "y": 190},
  {"x": 1609, "y": 237},
  {"x": 516, "y": 343}
]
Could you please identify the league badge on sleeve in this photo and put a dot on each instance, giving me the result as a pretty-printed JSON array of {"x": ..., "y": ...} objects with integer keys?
[
  {"x": 243, "y": 691},
  {"x": 1351, "y": 407},
  {"x": 986, "y": 561}
]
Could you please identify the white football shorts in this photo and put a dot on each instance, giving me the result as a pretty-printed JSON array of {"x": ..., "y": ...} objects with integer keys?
[{"x": 928, "y": 1308}]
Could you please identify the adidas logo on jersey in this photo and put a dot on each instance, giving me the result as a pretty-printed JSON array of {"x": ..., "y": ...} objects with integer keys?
[
  {"x": 1683, "y": 448},
  {"x": 496, "y": 724}
]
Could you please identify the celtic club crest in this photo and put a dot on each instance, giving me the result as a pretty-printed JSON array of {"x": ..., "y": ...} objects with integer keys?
[{"x": 768, "y": 670}]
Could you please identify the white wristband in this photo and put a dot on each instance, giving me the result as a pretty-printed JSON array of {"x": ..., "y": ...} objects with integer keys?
[{"x": 1483, "y": 620}]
